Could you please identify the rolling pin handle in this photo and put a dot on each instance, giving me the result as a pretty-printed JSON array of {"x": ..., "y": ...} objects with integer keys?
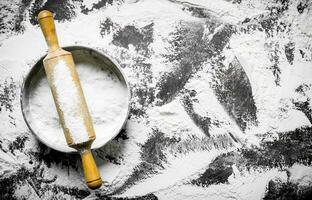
[
  {"x": 46, "y": 22},
  {"x": 91, "y": 172}
]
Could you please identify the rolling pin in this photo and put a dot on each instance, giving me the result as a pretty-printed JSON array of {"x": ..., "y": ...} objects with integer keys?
[{"x": 69, "y": 99}]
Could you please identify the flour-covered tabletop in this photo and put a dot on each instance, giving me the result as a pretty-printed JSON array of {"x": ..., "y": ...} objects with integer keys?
[{"x": 221, "y": 103}]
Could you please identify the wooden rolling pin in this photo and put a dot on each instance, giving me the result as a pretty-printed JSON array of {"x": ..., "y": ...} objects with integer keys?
[{"x": 69, "y": 99}]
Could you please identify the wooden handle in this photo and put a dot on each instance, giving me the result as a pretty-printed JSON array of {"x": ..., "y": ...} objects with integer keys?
[
  {"x": 91, "y": 172},
  {"x": 46, "y": 22}
]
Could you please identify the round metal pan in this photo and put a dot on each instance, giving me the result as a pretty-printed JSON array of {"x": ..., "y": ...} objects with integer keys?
[{"x": 37, "y": 72}]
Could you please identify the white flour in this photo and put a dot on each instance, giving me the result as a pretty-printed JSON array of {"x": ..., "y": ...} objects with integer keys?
[
  {"x": 171, "y": 182},
  {"x": 106, "y": 99}
]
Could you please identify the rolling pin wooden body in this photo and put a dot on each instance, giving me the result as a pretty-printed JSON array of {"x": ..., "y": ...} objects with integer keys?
[{"x": 69, "y": 99}]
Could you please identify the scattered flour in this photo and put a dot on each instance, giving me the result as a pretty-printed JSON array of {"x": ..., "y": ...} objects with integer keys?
[
  {"x": 249, "y": 185},
  {"x": 250, "y": 50},
  {"x": 301, "y": 174},
  {"x": 179, "y": 171}
]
